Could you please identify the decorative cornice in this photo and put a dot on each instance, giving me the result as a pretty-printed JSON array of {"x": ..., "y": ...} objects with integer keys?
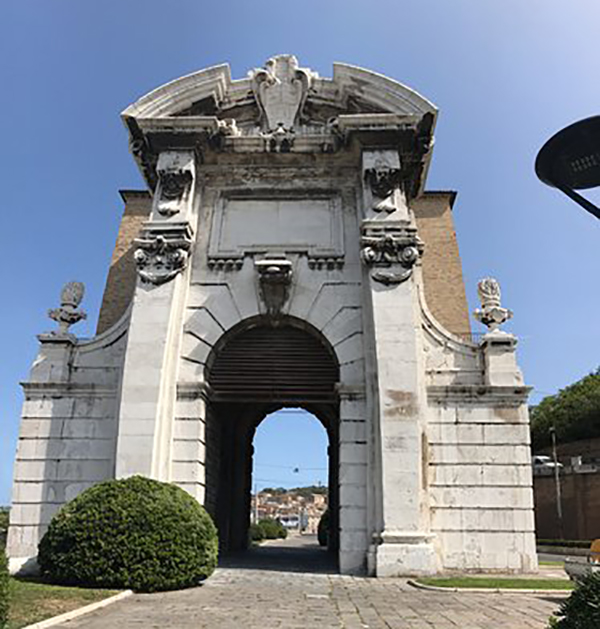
[
  {"x": 479, "y": 395},
  {"x": 56, "y": 389},
  {"x": 329, "y": 263},
  {"x": 225, "y": 264}
]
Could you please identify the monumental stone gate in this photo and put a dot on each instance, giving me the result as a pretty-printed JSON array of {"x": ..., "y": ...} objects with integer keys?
[{"x": 287, "y": 254}]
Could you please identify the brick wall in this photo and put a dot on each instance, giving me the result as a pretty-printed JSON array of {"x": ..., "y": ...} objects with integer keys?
[
  {"x": 580, "y": 506},
  {"x": 120, "y": 282},
  {"x": 442, "y": 270}
]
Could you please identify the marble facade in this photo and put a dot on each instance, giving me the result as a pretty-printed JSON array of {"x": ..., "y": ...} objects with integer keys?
[{"x": 289, "y": 202}]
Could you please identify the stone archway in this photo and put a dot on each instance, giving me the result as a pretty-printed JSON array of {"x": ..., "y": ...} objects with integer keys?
[{"x": 258, "y": 367}]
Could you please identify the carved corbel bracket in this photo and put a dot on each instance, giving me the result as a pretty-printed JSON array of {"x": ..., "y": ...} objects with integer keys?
[
  {"x": 279, "y": 141},
  {"x": 274, "y": 280},
  {"x": 391, "y": 250},
  {"x": 175, "y": 176},
  {"x": 383, "y": 176},
  {"x": 226, "y": 128},
  {"x": 162, "y": 253}
]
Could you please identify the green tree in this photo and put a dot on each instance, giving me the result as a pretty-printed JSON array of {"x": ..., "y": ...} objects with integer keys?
[
  {"x": 582, "y": 609},
  {"x": 574, "y": 412},
  {"x": 3, "y": 589}
]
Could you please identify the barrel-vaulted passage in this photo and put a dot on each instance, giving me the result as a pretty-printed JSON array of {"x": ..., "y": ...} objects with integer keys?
[{"x": 267, "y": 363}]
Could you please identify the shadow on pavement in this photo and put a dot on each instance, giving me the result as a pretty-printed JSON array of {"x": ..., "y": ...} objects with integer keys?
[{"x": 299, "y": 554}]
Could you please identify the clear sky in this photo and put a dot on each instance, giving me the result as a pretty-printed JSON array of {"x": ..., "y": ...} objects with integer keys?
[
  {"x": 290, "y": 450},
  {"x": 505, "y": 74}
]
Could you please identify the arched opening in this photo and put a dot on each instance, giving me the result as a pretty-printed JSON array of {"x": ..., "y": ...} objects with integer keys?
[{"x": 256, "y": 369}]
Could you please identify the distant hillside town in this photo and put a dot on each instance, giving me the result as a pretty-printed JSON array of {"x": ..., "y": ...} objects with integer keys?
[{"x": 297, "y": 509}]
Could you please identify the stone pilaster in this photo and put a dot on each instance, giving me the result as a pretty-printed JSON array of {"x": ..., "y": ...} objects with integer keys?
[
  {"x": 148, "y": 390},
  {"x": 390, "y": 250}
]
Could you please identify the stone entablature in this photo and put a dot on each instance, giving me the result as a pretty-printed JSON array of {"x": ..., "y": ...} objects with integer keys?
[{"x": 286, "y": 199}]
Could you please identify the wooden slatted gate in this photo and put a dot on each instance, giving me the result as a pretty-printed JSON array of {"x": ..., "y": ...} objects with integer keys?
[{"x": 273, "y": 364}]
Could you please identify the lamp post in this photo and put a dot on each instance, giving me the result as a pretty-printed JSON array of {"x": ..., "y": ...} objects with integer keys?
[
  {"x": 570, "y": 160},
  {"x": 557, "y": 485}
]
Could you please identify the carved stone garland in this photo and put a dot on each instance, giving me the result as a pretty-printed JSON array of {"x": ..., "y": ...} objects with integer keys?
[
  {"x": 161, "y": 256},
  {"x": 390, "y": 250}
]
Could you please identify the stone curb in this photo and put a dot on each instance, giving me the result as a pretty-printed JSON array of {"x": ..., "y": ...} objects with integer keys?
[
  {"x": 80, "y": 611},
  {"x": 435, "y": 588}
]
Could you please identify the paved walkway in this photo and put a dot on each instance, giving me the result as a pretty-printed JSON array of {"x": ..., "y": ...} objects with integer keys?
[{"x": 295, "y": 587}]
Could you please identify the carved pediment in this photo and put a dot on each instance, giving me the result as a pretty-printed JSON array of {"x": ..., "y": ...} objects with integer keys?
[{"x": 284, "y": 95}]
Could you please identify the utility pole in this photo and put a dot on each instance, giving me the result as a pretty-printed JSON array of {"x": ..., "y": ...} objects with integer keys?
[{"x": 557, "y": 484}]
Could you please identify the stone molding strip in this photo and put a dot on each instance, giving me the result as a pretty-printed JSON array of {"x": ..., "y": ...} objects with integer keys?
[
  {"x": 193, "y": 390},
  {"x": 67, "y": 388},
  {"x": 76, "y": 613},
  {"x": 479, "y": 395}
]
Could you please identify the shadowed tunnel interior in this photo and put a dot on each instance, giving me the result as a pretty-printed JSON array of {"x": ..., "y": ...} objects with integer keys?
[{"x": 257, "y": 368}]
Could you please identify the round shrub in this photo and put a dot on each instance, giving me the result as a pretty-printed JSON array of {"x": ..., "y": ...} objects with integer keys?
[
  {"x": 3, "y": 589},
  {"x": 132, "y": 533},
  {"x": 582, "y": 609},
  {"x": 272, "y": 529},
  {"x": 323, "y": 529},
  {"x": 255, "y": 533}
]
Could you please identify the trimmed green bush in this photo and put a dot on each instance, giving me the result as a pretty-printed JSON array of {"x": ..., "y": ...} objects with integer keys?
[
  {"x": 565, "y": 543},
  {"x": 132, "y": 533},
  {"x": 582, "y": 609},
  {"x": 272, "y": 529},
  {"x": 255, "y": 533},
  {"x": 4, "y": 515},
  {"x": 323, "y": 529},
  {"x": 3, "y": 589}
]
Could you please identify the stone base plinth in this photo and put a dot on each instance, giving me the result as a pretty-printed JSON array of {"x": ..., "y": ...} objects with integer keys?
[
  {"x": 400, "y": 555},
  {"x": 23, "y": 566}
]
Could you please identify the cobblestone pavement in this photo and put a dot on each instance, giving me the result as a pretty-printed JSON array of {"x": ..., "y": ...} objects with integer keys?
[{"x": 263, "y": 591}]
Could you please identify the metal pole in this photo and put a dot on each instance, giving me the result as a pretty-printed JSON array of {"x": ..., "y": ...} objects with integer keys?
[
  {"x": 557, "y": 485},
  {"x": 255, "y": 503}
]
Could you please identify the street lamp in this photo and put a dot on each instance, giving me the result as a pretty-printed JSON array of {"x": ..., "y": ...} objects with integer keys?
[{"x": 570, "y": 160}]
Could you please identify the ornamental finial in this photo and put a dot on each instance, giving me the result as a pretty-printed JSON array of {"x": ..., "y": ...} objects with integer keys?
[
  {"x": 68, "y": 313},
  {"x": 491, "y": 312}
]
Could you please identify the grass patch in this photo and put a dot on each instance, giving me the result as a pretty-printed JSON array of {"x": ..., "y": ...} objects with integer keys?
[
  {"x": 33, "y": 601},
  {"x": 552, "y": 563},
  {"x": 498, "y": 582}
]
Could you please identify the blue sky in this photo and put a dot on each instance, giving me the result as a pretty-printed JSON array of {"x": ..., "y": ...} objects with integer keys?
[{"x": 505, "y": 74}]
